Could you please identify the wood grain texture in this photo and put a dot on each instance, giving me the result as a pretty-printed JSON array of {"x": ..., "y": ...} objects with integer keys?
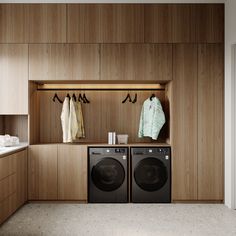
[
  {"x": 136, "y": 62},
  {"x": 7, "y": 186},
  {"x": 7, "y": 166},
  {"x": 209, "y": 23},
  {"x": 42, "y": 171},
  {"x": 83, "y": 25},
  {"x": 183, "y": 23},
  {"x": 14, "y": 78},
  {"x": 14, "y": 23},
  {"x": 210, "y": 121},
  {"x": 84, "y": 62},
  {"x": 7, "y": 206},
  {"x": 47, "y": 23},
  {"x": 72, "y": 172},
  {"x": 64, "y": 62},
  {"x": 21, "y": 174},
  {"x": 16, "y": 125},
  {"x": 184, "y": 141},
  {"x": 158, "y": 23}
]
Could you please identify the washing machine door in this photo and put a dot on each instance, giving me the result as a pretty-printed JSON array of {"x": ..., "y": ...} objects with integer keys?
[
  {"x": 150, "y": 174},
  {"x": 108, "y": 174}
]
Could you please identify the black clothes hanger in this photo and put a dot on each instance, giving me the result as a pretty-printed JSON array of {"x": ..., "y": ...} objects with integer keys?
[
  {"x": 135, "y": 98},
  {"x": 74, "y": 97},
  {"x": 127, "y": 97},
  {"x": 85, "y": 98},
  {"x": 81, "y": 98},
  {"x": 68, "y": 95},
  {"x": 56, "y": 97},
  {"x": 152, "y": 96}
]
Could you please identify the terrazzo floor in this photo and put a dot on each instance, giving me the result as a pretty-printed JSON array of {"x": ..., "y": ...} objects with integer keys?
[{"x": 121, "y": 220}]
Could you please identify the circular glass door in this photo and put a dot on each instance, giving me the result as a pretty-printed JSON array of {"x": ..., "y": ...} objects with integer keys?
[
  {"x": 108, "y": 174},
  {"x": 150, "y": 174}
]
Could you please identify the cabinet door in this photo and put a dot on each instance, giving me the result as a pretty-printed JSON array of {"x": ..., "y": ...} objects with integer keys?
[
  {"x": 72, "y": 172},
  {"x": 47, "y": 23},
  {"x": 136, "y": 62},
  {"x": 184, "y": 168},
  {"x": 210, "y": 121},
  {"x": 158, "y": 25},
  {"x": 209, "y": 23},
  {"x": 64, "y": 62},
  {"x": 21, "y": 174},
  {"x": 14, "y": 23},
  {"x": 105, "y": 23},
  {"x": 83, "y": 23},
  {"x": 14, "y": 79},
  {"x": 183, "y": 23},
  {"x": 42, "y": 171}
]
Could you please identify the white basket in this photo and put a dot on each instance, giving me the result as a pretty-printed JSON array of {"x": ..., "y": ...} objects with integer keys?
[{"x": 122, "y": 138}]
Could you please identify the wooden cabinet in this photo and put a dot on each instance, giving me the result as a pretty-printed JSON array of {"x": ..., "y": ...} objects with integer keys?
[
  {"x": 105, "y": 23},
  {"x": 64, "y": 62},
  {"x": 209, "y": 23},
  {"x": 47, "y": 23},
  {"x": 14, "y": 23},
  {"x": 136, "y": 62},
  {"x": 14, "y": 79},
  {"x": 210, "y": 121},
  {"x": 183, "y": 23},
  {"x": 42, "y": 172},
  {"x": 184, "y": 162},
  {"x": 13, "y": 183},
  {"x": 21, "y": 177},
  {"x": 72, "y": 172},
  {"x": 158, "y": 24}
]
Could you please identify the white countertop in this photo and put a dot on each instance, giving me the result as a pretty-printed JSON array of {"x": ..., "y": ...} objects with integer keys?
[{"x": 7, "y": 150}]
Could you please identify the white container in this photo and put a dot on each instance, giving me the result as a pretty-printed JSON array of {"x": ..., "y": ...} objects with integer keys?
[
  {"x": 110, "y": 138},
  {"x": 122, "y": 138},
  {"x": 113, "y": 137}
]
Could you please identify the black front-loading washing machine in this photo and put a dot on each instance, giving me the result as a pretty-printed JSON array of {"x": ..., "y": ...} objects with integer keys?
[
  {"x": 151, "y": 174},
  {"x": 108, "y": 175}
]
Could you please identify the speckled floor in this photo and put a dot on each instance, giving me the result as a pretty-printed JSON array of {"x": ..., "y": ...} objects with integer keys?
[{"x": 121, "y": 219}]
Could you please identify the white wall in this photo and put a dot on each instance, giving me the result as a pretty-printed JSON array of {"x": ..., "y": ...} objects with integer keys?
[{"x": 230, "y": 40}]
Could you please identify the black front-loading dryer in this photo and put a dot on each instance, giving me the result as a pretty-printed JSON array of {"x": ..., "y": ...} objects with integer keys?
[
  {"x": 108, "y": 174},
  {"x": 151, "y": 174}
]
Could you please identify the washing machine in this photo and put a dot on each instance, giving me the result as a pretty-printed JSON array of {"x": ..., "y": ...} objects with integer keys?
[
  {"x": 151, "y": 174},
  {"x": 108, "y": 174}
]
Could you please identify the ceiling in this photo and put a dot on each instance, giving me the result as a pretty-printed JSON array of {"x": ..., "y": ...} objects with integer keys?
[{"x": 114, "y": 1}]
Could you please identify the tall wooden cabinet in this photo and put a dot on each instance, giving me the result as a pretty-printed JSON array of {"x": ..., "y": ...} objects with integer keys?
[
  {"x": 185, "y": 124},
  {"x": 210, "y": 121},
  {"x": 14, "y": 79},
  {"x": 42, "y": 170},
  {"x": 198, "y": 122},
  {"x": 72, "y": 172}
]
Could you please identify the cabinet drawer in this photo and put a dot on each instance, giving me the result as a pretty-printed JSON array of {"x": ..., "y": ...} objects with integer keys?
[
  {"x": 8, "y": 206},
  {"x": 7, "y": 186},
  {"x": 7, "y": 166}
]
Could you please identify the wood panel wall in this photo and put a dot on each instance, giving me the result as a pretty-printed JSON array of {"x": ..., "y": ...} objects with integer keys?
[
  {"x": 105, "y": 113},
  {"x": 111, "y": 23}
]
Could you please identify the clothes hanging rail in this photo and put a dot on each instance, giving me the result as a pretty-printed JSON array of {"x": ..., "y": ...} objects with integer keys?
[{"x": 102, "y": 89}]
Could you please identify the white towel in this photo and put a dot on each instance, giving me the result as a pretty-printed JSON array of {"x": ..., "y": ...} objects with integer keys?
[
  {"x": 73, "y": 123},
  {"x": 65, "y": 119}
]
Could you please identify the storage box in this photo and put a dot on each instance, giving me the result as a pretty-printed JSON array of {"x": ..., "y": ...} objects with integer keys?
[{"x": 122, "y": 138}]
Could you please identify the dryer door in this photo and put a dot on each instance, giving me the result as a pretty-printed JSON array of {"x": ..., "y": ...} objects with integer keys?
[
  {"x": 150, "y": 174},
  {"x": 108, "y": 174}
]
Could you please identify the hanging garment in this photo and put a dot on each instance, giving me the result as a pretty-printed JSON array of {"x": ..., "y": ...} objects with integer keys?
[
  {"x": 80, "y": 120},
  {"x": 152, "y": 119},
  {"x": 65, "y": 119},
  {"x": 73, "y": 124}
]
